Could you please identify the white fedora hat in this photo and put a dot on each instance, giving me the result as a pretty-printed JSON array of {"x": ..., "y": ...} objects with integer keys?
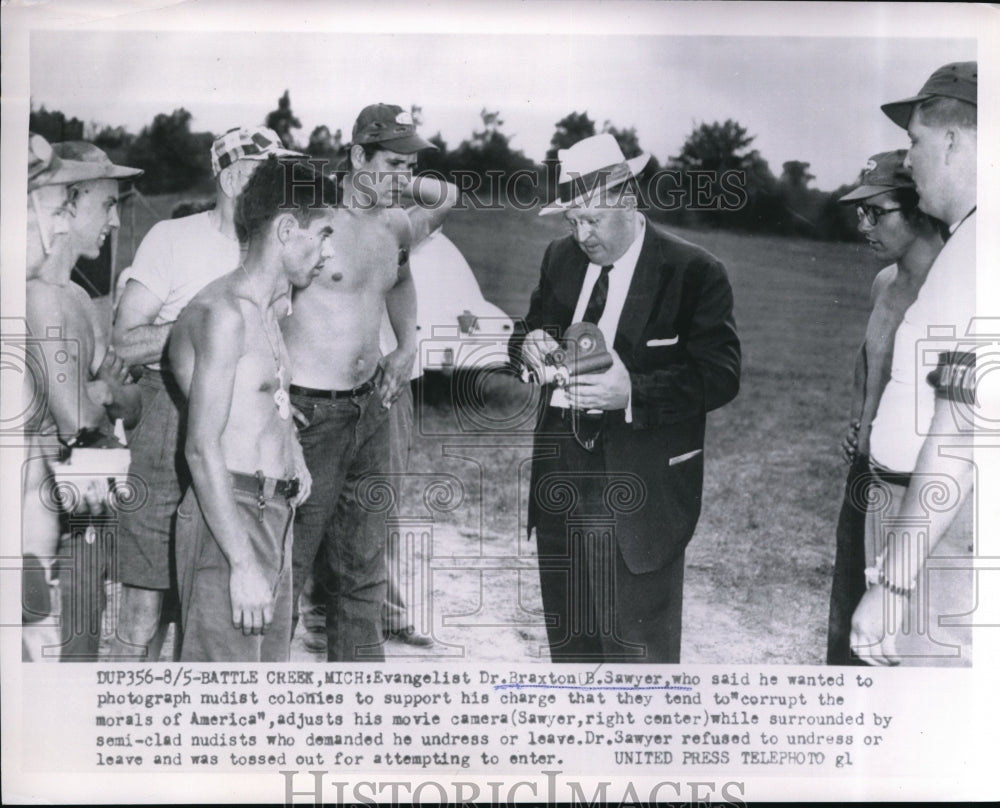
[{"x": 589, "y": 167}]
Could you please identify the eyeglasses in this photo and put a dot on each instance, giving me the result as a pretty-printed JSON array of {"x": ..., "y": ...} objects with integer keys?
[{"x": 872, "y": 214}]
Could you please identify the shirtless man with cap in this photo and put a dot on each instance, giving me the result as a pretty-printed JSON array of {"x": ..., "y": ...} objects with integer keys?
[
  {"x": 343, "y": 387},
  {"x": 900, "y": 233}
]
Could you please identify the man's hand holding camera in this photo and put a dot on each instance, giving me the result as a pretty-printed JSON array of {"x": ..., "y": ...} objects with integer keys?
[
  {"x": 609, "y": 390},
  {"x": 537, "y": 345}
]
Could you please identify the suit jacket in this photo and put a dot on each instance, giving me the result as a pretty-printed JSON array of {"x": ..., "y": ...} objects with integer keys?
[{"x": 677, "y": 338}]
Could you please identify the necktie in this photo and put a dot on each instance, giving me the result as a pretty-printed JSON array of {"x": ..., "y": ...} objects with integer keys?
[
  {"x": 598, "y": 297},
  {"x": 587, "y": 426}
]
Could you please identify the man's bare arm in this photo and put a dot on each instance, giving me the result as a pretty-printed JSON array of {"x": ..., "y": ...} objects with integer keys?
[
  {"x": 135, "y": 338},
  {"x": 217, "y": 337},
  {"x": 946, "y": 454},
  {"x": 125, "y": 398},
  {"x": 401, "y": 306},
  {"x": 432, "y": 200},
  {"x": 849, "y": 446}
]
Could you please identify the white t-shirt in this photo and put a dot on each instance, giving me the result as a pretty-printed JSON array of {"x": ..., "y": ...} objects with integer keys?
[
  {"x": 178, "y": 257},
  {"x": 938, "y": 322}
]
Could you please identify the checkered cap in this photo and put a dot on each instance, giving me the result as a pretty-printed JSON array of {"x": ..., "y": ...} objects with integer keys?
[{"x": 247, "y": 143}]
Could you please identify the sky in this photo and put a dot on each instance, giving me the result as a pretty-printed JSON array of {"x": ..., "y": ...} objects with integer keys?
[{"x": 811, "y": 98}]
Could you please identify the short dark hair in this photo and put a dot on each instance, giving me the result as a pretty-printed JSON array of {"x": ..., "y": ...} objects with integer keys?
[
  {"x": 943, "y": 111},
  {"x": 370, "y": 149},
  {"x": 909, "y": 206},
  {"x": 279, "y": 186}
]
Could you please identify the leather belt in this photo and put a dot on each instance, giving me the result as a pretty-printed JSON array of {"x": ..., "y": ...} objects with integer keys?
[
  {"x": 900, "y": 478},
  {"x": 266, "y": 487},
  {"x": 312, "y": 392}
]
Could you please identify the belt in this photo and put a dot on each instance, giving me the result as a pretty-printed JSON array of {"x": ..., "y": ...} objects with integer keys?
[
  {"x": 900, "y": 478},
  {"x": 265, "y": 487},
  {"x": 312, "y": 392}
]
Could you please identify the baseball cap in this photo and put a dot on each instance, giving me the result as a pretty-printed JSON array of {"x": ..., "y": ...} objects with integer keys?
[
  {"x": 954, "y": 80},
  {"x": 79, "y": 151},
  {"x": 391, "y": 126},
  {"x": 247, "y": 143},
  {"x": 62, "y": 164},
  {"x": 883, "y": 172}
]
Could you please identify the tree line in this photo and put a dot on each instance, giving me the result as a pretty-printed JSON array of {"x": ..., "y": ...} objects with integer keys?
[{"x": 716, "y": 180}]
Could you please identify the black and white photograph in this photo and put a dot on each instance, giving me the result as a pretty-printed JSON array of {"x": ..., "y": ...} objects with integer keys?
[{"x": 498, "y": 402}]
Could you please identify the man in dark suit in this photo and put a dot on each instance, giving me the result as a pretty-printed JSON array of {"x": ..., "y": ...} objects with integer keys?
[{"x": 617, "y": 467}]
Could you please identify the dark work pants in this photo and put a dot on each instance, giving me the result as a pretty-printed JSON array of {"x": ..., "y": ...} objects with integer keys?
[
  {"x": 849, "y": 565},
  {"x": 340, "y": 536},
  {"x": 596, "y": 609}
]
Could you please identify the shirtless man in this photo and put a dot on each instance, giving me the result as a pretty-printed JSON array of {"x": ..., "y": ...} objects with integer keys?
[
  {"x": 73, "y": 210},
  {"x": 175, "y": 260},
  {"x": 898, "y": 232},
  {"x": 234, "y": 525},
  {"x": 344, "y": 388}
]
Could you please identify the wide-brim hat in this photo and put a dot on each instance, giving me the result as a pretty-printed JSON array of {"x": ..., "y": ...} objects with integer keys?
[
  {"x": 390, "y": 126},
  {"x": 954, "y": 80},
  {"x": 81, "y": 151},
  {"x": 61, "y": 164},
  {"x": 589, "y": 167},
  {"x": 884, "y": 172}
]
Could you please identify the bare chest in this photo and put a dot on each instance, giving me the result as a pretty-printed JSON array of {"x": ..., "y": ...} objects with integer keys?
[{"x": 887, "y": 314}]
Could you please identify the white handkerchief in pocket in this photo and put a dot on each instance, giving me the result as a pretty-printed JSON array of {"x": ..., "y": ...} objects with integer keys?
[
  {"x": 659, "y": 343},
  {"x": 681, "y": 458}
]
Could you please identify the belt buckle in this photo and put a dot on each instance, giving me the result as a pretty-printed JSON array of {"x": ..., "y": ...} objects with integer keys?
[{"x": 267, "y": 486}]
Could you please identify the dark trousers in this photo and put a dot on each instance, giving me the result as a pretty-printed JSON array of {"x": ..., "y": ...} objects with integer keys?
[
  {"x": 340, "y": 533},
  {"x": 596, "y": 609},
  {"x": 395, "y": 616},
  {"x": 849, "y": 565}
]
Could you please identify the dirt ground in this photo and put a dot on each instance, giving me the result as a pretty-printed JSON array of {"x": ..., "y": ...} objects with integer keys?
[{"x": 488, "y": 610}]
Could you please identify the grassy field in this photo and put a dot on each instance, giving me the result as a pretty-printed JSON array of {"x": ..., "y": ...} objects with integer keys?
[{"x": 760, "y": 565}]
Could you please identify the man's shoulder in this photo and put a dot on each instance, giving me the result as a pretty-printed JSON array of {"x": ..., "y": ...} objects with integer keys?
[
  {"x": 184, "y": 232},
  {"x": 885, "y": 276},
  {"x": 373, "y": 223},
  {"x": 397, "y": 221},
  {"x": 184, "y": 224},
  {"x": 64, "y": 299},
  {"x": 676, "y": 249},
  {"x": 215, "y": 302}
]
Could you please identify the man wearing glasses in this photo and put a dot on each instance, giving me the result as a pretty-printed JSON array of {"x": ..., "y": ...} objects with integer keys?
[
  {"x": 920, "y": 603},
  {"x": 899, "y": 233}
]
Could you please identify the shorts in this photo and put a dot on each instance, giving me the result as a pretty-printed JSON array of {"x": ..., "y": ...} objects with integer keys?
[
  {"x": 158, "y": 473},
  {"x": 203, "y": 578}
]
